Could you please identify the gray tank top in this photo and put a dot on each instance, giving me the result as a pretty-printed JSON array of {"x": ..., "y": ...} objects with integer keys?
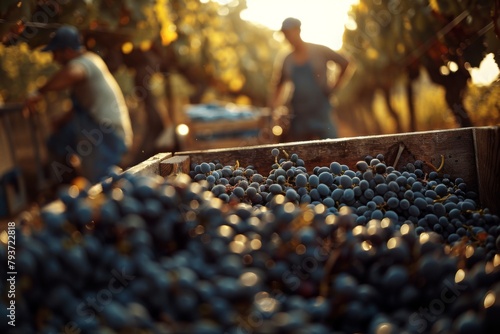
[{"x": 102, "y": 97}]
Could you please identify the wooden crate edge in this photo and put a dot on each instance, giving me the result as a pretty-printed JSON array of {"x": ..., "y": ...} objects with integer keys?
[{"x": 487, "y": 160}]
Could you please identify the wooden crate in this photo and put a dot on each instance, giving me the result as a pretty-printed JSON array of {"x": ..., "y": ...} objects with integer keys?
[
  {"x": 470, "y": 153},
  {"x": 227, "y": 133}
]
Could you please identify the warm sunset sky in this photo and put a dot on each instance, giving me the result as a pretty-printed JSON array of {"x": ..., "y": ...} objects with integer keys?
[{"x": 323, "y": 23}]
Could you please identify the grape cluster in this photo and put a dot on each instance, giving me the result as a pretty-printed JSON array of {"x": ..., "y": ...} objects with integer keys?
[
  {"x": 430, "y": 201},
  {"x": 226, "y": 249}
]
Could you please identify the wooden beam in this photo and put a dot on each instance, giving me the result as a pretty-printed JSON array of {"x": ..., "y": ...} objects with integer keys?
[
  {"x": 175, "y": 165},
  {"x": 487, "y": 147},
  {"x": 150, "y": 166}
]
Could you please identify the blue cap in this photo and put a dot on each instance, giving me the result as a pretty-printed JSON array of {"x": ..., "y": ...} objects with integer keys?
[
  {"x": 66, "y": 37},
  {"x": 290, "y": 23}
]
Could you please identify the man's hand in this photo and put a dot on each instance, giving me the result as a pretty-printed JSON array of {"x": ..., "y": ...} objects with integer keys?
[
  {"x": 30, "y": 103},
  {"x": 34, "y": 96}
]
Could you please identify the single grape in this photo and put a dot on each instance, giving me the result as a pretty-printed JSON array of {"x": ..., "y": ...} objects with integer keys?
[
  {"x": 326, "y": 178},
  {"x": 323, "y": 189},
  {"x": 335, "y": 168},
  {"x": 369, "y": 194},
  {"x": 348, "y": 195},
  {"x": 393, "y": 202},
  {"x": 345, "y": 181},
  {"x": 313, "y": 180},
  {"x": 205, "y": 168},
  {"x": 362, "y": 166},
  {"x": 291, "y": 194},
  {"x": 239, "y": 192},
  {"x": 301, "y": 180},
  {"x": 380, "y": 168},
  {"x": 275, "y": 188},
  {"x": 414, "y": 211},
  {"x": 404, "y": 204},
  {"x": 337, "y": 194}
]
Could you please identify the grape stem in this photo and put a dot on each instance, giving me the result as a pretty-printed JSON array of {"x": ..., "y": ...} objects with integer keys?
[
  {"x": 428, "y": 164},
  {"x": 400, "y": 151},
  {"x": 442, "y": 199},
  {"x": 441, "y": 165},
  {"x": 434, "y": 168}
]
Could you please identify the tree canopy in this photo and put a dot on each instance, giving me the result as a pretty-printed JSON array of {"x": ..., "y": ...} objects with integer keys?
[
  {"x": 390, "y": 42},
  {"x": 393, "y": 40},
  {"x": 206, "y": 42}
]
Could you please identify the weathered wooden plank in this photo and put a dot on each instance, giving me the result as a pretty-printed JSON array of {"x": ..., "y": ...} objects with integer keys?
[
  {"x": 150, "y": 166},
  {"x": 175, "y": 165},
  {"x": 487, "y": 147},
  {"x": 457, "y": 147}
]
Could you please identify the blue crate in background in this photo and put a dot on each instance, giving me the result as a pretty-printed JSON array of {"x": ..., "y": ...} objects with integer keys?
[
  {"x": 218, "y": 125},
  {"x": 214, "y": 112}
]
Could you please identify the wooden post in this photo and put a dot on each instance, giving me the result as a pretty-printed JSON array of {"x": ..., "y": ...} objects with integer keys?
[{"x": 487, "y": 147}]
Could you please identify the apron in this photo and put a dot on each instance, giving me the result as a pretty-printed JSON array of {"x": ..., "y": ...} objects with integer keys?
[{"x": 310, "y": 106}]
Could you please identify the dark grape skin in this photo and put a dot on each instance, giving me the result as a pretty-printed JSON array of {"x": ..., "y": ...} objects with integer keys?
[
  {"x": 301, "y": 180},
  {"x": 335, "y": 168},
  {"x": 169, "y": 249},
  {"x": 362, "y": 166}
]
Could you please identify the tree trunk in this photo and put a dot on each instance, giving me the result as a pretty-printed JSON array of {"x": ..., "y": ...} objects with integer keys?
[
  {"x": 392, "y": 112},
  {"x": 455, "y": 85},
  {"x": 413, "y": 74},
  {"x": 145, "y": 65},
  {"x": 454, "y": 96}
]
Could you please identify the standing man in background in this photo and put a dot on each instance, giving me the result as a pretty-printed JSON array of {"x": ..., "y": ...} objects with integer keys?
[
  {"x": 97, "y": 131},
  {"x": 306, "y": 68}
]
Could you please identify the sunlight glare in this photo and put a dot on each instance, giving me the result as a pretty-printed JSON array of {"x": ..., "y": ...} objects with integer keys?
[
  {"x": 323, "y": 21},
  {"x": 487, "y": 72}
]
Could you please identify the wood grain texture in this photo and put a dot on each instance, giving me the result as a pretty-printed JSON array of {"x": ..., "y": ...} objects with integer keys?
[
  {"x": 150, "y": 166},
  {"x": 175, "y": 165},
  {"x": 487, "y": 146},
  {"x": 457, "y": 147}
]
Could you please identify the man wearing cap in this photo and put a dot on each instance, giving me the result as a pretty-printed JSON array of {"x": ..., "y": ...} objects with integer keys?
[
  {"x": 306, "y": 68},
  {"x": 97, "y": 131}
]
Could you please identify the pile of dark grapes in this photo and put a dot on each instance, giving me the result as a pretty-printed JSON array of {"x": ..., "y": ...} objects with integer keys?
[
  {"x": 226, "y": 249},
  {"x": 431, "y": 202}
]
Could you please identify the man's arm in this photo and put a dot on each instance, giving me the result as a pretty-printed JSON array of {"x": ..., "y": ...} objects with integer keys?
[
  {"x": 277, "y": 84},
  {"x": 276, "y": 96},
  {"x": 65, "y": 78},
  {"x": 343, "y": 64}
]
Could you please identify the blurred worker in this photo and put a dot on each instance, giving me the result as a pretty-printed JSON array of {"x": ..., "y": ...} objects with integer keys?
[
  {"x": 306, "y": 68},
  {"x": 97, "y": 131}
]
